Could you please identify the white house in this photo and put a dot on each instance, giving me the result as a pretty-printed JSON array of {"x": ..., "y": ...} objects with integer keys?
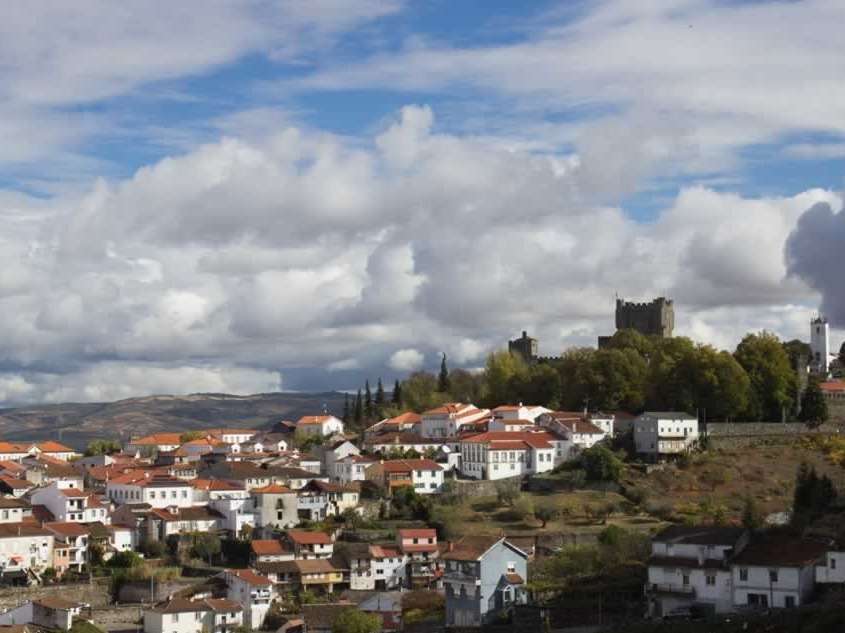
[
  {"x": 663, "y": 434},
  {"x": 690, "y": 566},
  {"x": 252, "y": 591},
  {"x": 423, "y": 475},
  {"x": 446, "y": 421},
  {"x": 776, "y": 570},
  {"x": 232, "y": 436},
  {"x": 238, "y": 511},
  {"x": 23, "y": 547},
  {"x": 501, "y": 454},
  {"x": 155, "y": 443},
  {"x": 141, "y": 486},
  {"x": 351, "y": 468},
  {"x": 50, "y": 613},
  {"x": 519, "y": 411},
  {"x": 310, "y": 545},
  {"x": 576, "y": 431},
  {"x": 212, "y": 615},
  {"x": 13, "y": 510},
  {"x": 388, "y": 565},
  {"x": 404, "y": 441},
  {"x": 70, "y": 504},
  {"x": 322, "y": 425},
  {"x": 337, "y": 450},
  {"x": 832, "y": 568}
]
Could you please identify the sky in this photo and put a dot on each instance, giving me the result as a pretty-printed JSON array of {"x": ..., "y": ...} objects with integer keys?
[{"x": 249, "y": 196}]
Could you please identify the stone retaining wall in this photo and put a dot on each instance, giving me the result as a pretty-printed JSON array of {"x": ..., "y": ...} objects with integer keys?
[
  {"x": 746, "y": 434},
  {"x": 96, "y": 594}
]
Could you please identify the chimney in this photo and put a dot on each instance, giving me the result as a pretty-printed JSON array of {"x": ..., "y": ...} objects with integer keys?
[{"x": 451, "y": 546}]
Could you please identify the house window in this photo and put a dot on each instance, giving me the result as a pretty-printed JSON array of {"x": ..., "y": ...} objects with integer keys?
[
  {"x": 710, "y": 580},
  {"x": 686, "y": 579},
  {"x": 832, "y": 562},
  {"x": 789, "y": 602},
  {"x": 773, "y": 575},
  {"x": 743, "y": 574}
]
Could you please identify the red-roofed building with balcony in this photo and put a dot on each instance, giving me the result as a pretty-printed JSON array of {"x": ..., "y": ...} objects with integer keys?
[
  {"x": 423, "y": 475},
  {"x": 422, "y": 552}
]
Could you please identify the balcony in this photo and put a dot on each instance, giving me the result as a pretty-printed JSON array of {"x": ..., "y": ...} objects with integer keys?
[
  {"x": 461, "y": 577},
  {"x": 683, "y": 590}
]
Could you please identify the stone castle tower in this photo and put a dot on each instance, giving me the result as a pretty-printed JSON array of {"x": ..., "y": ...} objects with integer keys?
[
  {"x": 656, "y": 318},
  {"x": 820, "y": 346},
  {"x": 525, "y": 346}
]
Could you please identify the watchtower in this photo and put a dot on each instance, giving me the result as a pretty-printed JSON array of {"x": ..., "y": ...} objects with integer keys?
[
  {"x": 525, "y": 346},
  {"x": 656, "y": 318}
]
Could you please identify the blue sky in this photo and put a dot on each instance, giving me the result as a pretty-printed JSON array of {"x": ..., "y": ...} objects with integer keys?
[{"x": 260, "y": 195}]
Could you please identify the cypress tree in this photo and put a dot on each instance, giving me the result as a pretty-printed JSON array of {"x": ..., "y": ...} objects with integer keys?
[
  {"x": 443, "y": 379},
  {"x": 368, "y": 401},
  {"x": 346, "y": 409},
  {"x": 379, "y": 401},
  {"x": 813, "y": 404},
  {"x": 397, "y": 394},
  {"x": 359, "y": 411}
]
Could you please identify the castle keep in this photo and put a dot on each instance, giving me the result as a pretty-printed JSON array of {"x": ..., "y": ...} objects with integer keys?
[{"x": 652, "y": 319}]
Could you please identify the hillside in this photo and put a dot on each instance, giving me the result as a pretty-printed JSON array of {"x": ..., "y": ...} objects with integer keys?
[{"x": 77, "y": 423}]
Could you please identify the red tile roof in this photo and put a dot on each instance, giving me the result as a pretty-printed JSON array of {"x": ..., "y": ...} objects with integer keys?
[
  {"x": 418, "y": 533},
  {"x": 407, "y": 465},
  {"x": 250, "y": 577},
  {"x": 313, "y": 419},
  {"x": 53, "y": 447},
  {"x": 833, "y": 386},
  {"x": 268, "y": 547},
  {"x": 303, "y": 537},
  {"x": 67, "y": 529},
  {"x": 272, "y": 489}
]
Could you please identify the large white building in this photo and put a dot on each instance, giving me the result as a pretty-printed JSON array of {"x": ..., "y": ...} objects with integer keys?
[
  {"x": 179, "y": 615},
  {"x": 501, "y": 454},
  {"x": 71, "y": 504},
  {"x": 142, "y": 486},
  {"x": 690, "y": 567},
  {"x": 831, "y": 570},
  {"x": 446, "y": 421},
  {"x": 776, "y": 571},
  {"x": 663, "y": 434},
  {"x": 322, "y": 425},
  {"x": 23, "y": 547}
]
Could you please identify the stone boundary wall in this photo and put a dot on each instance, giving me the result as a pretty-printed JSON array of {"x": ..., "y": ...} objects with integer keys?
[
  {"x": 119, "y": 614},
  {"x": 96, "y": 594},
  {"x": 745, "y": 434}
]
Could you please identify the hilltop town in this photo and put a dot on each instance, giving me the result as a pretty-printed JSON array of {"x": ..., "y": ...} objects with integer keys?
[{"x": 414, "y": 511}]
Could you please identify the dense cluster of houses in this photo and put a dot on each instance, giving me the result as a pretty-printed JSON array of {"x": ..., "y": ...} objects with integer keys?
[{"x": 240, "y": 483}]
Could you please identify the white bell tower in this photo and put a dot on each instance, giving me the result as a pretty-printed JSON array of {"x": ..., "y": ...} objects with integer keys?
[{"x": 820, "y": 346}]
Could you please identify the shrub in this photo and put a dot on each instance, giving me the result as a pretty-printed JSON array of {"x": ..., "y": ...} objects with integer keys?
[{"x": 601, "y": 464}]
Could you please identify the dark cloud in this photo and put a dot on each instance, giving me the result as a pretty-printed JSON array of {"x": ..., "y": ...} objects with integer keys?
[{"x": 815, "y": 252}]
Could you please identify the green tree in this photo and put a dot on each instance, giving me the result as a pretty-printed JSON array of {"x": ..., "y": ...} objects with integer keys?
[
  {"x": 346, "y": 410},
  {"x": 396, "y": 396},
  {"x": 631, "y": 339},
  {"x": 752, "y": 518},
  {"x": 358, "y": 412},
  {"x": 379, "y": 399},
  {"x": 368, "y": 401},
  {"x": 813, "y": 404},
  {"x": 125, "y": 560},
  {"x": 466, "y": 386},
  {"x": 190, "y": 436},
  {"x": 507, "y": 492},
  {"x": 502, "y": 372},
  {"x": 443, "y": 384},
  {"x": 356, "y": 621},
  {"x": 419, "y": 392},
  {"x": 206, "y": 545},
  {"x": 772, "y": 379},
  {"x": 102, "y": 447},
  {"x": 601, "y": 464},
  {"x": 546, "y": 513}
]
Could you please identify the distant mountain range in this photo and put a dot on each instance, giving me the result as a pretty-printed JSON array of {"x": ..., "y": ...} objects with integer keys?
[{"x": 76, "y": 424}]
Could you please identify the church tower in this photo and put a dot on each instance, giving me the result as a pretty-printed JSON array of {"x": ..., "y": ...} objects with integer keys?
[{"x": 820, "y": 346}]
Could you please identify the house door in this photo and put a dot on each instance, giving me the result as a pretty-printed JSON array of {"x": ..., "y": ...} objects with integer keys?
[{"x": 758, "y": 600}]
